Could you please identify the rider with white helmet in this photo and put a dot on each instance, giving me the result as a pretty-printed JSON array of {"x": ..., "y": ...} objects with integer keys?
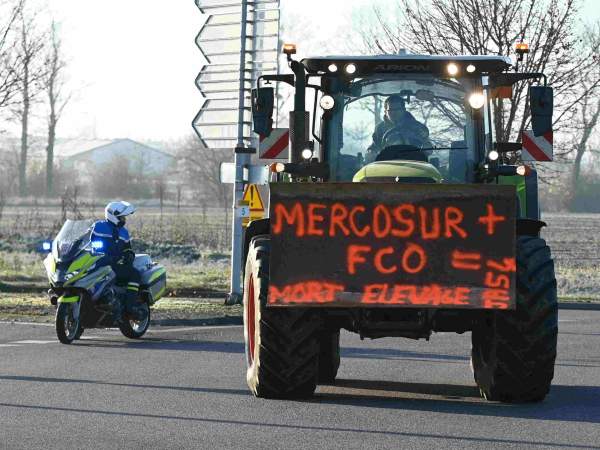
[
  {"x": 117, "y": 212},
  {"x": 116, "y": 245}
]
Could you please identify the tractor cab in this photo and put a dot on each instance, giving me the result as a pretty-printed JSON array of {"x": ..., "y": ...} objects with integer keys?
[
  {"x": 404, "y": 118},
  {"x": 397, "y": 118}
]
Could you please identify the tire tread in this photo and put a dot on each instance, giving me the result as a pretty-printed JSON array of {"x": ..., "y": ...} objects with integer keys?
[{"x": 516, "y": 362}]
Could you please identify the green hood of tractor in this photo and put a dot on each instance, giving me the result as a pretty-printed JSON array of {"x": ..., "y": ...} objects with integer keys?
[{"x": 398, "y": 171}]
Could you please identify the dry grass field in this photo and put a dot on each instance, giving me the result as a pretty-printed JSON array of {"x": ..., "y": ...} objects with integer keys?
[
  {"x": 204, "y": 229},
  {"x": 575, "y": 243}
]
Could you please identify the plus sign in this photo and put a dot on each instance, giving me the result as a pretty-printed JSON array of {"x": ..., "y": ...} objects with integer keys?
[{"x": 491, "y": 219}]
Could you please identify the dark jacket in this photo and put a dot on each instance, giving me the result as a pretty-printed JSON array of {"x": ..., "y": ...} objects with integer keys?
[
  {"x": 115, "y": 240},
  {"x": 409, "y": 130}
]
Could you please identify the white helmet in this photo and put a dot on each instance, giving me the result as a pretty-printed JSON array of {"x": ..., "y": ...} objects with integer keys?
[{"x": 116, "y": 212}]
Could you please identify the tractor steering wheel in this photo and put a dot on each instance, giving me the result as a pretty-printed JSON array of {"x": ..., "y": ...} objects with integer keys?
[
  {"x": 401, "y": 133},
  {"x": 406, "y": 152}
]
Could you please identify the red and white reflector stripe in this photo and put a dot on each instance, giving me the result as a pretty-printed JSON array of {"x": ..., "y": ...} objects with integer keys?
[
  {"x": 537, "y": 148},
  {"x": 276, "y": 145}
]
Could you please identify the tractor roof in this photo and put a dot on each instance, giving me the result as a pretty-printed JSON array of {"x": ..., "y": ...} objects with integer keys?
[{"x": 409, "y": 63}]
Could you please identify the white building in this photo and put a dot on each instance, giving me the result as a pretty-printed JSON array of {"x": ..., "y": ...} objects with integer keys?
[{"x": 141, "y": 158}]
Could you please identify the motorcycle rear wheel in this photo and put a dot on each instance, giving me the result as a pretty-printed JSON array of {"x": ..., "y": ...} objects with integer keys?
[{"x": 135, "y": 329}]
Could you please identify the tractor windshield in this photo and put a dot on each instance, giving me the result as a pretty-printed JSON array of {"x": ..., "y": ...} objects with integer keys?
[{"x": 403, "y": 117}]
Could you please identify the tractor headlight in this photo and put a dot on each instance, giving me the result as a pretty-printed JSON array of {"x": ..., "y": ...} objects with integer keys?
[
  {"x": 477, "y": 100},
  {"x": 350, "y": 68},
  {"x": 307, "y": 153},
  {"x": 327, "y": 102},
  {"x": 471, "y": 68},
  {"x": 452, "y": 69},
  {"x": 277, "y": 167},
  {"x": 493, "y": 155},
  {"x": 332, "y": 68}
]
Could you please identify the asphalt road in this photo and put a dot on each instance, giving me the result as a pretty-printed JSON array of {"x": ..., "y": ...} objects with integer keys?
[{"x": 185, "y": 388}]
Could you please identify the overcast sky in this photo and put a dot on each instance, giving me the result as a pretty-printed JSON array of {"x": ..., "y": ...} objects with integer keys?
[{"x": 134, "y": 62}]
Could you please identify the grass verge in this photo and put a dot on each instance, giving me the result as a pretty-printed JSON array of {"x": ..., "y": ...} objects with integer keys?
[
  {"x": 23, "y": 273},
  {"x": 35, "y": 308}
]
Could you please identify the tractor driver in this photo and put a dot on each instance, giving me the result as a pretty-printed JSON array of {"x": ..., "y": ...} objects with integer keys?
[
  {"x": 399, "y": 127},
  {"x": 116, "y": 247}
]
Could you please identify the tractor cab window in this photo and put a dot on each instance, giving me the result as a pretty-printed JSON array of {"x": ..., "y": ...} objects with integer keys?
[{"x": 402, "y": 118}]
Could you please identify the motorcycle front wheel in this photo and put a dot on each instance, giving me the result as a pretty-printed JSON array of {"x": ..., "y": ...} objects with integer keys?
[{"x": 67, "y": 327}]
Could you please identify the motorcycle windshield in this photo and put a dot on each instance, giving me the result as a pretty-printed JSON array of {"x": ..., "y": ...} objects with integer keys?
[{"x": 72, "y": 237}]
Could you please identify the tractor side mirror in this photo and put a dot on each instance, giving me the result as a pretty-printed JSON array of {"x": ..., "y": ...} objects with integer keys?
[
  {"x": 541, "y": 104},
  {"x": 262, "y": 110}
]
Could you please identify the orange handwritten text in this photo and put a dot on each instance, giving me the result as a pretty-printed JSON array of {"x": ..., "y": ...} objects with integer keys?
[
  {"x": 491, "y": 219},
  {"x": 381, "y": 221},
  {"x": 454, "y": 217},
  {"x": 306, "y": 292},
  {"x": 495, "y": 298},
  {"x": 466, "y": 261},
  {"x": 314, "y": 218},
  {"x": 412, "y": 260},
  {"x": 293, "y": 217},
  {"x": 427, "y": 295},
  {"x": 507, "y": 265}
]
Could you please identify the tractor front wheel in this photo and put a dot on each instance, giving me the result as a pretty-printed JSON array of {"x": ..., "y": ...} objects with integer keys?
[
  {"x": 282, "y": 347},
  {"x": 513, "y": 352}
]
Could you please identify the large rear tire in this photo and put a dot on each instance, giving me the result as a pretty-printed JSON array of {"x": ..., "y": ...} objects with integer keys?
[
  {"x": 282, "y": 347},
  {"x": 67, "y": 327},
  {"x": 513, "y": 352},
  {"x": 329, "y": 356}
]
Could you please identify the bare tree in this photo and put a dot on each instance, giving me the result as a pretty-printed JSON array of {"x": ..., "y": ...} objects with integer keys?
[
  {"x": 201, "y": 168},
  {"x": 9, "y": 13},
  {"x": 493, "y": 27},
  {"x": 9, "y": 164},
  {"x": 31, "y": 71},
  {"x": 587, "y": 117},
  {"x": 54, "y": 87}
]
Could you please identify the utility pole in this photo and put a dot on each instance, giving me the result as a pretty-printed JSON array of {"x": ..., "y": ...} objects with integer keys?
[
  {"x": 241, "y": 159},
  {"x": 224, "y": 121}
]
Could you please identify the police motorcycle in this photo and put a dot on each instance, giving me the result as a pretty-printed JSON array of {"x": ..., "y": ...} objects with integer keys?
[{"x": 82, "y": 285}]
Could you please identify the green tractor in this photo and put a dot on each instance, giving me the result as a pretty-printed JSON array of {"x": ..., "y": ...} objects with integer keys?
[{"x": 397, "y": 214}]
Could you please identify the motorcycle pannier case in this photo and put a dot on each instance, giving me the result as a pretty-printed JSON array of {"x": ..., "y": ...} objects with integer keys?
[{"x": 154, "y": 281}]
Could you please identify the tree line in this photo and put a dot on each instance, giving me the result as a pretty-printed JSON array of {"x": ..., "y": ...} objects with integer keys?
[{"x": 32, "y": 79}]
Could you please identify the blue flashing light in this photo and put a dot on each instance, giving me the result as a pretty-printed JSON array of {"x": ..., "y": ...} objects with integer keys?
[
  {"x": 97, "y": 245},
  {"x": 47, "y": 246}
]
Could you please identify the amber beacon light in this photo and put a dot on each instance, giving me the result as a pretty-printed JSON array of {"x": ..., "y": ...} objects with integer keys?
[{"x": 289, "y": 49}]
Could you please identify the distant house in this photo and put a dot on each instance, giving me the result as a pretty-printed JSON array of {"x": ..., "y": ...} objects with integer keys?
[{"x": 94, "y": 155}]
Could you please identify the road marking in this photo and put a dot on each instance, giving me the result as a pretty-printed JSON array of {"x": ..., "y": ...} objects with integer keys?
[
  {"x": 3, "y": 322},
  {"x": 8, "y": 345},
  {"x": 34, "y": 341},
  {"x": 199, "y": 327},
  {"x": 151, "y": 330}
]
